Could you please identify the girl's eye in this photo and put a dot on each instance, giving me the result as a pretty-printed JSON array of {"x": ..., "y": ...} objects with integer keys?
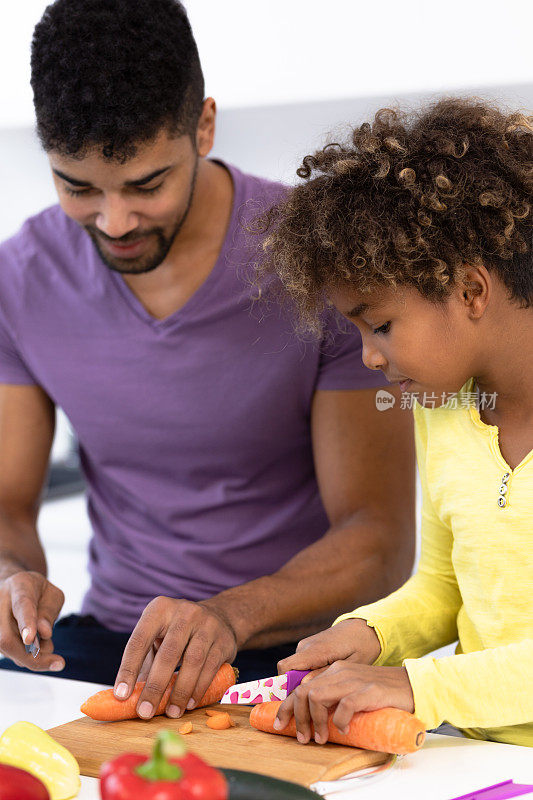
[{"x": 382, "y": 328}]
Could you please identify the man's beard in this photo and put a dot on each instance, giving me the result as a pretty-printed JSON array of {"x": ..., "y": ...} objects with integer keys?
[{"x": 138, "y": 266}]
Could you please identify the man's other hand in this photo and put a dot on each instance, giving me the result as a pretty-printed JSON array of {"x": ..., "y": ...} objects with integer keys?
[
  {"x": 29, "y": 605},
  {"x": 169, "y": 633}
]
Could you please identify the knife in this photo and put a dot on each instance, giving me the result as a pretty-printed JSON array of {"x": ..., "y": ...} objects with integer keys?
[
  {"x": 260, "y": 691},
  {"x": 35, "y": 647}
]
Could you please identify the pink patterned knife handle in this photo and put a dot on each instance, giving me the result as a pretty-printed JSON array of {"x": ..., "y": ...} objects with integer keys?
[{"x": 295, "y": 677}]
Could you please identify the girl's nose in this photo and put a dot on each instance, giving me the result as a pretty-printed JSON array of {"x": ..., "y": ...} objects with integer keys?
[{"x": 372, "y": 357}]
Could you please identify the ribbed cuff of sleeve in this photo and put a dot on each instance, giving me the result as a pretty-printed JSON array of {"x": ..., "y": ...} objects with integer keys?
[{"x": 427, "y": 691}]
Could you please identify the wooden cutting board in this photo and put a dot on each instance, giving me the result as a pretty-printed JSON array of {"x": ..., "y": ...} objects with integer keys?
[{"x": 241, "y": 747}]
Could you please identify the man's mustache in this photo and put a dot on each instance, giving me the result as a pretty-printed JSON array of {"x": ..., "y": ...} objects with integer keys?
[{"x": 132, "y": 236}]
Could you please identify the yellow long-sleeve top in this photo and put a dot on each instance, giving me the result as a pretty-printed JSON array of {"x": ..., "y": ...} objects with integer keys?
[{"x": 474, "y": 582}]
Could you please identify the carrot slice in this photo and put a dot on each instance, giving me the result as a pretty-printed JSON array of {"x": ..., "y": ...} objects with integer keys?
[
  {"x": 105, "y": 706},
  {"x": 185, "y": 729},
  {"x": 213, "y": 712},
  {"x": 219, "y": 722},
  {"x": 387, "y": 730}
]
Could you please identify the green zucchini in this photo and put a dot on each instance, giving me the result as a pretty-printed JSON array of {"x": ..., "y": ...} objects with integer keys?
[{"x": 252, "y": 786}]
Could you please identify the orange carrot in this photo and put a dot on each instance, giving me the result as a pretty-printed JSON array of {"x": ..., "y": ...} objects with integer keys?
[
  {"x": 226, "y": 676},
  {"x": 105, "y": 706},
  {"x": 387, "y": 730},
  {"x": 212, "y": 712},
  {"x": 219, "y": 722},
  {"x": 185, "y": 729}
]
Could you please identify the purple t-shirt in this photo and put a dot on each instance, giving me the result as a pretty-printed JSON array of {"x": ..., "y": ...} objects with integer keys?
[{"x": 193, "y": 430}]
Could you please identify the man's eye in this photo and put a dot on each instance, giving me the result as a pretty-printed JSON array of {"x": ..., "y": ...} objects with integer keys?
[
  {"x": 140, "y": 189},
  {"x": 383, "y": 328},
  {"x": 75, "y": 192},
  {"x": 151, "y": 190}
]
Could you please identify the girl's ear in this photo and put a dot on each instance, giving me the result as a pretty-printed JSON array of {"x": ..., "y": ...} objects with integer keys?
[{"x": 476, "y": 288}]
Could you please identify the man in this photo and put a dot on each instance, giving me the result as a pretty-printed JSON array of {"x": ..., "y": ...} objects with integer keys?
[{"x": 242, "y": 487}]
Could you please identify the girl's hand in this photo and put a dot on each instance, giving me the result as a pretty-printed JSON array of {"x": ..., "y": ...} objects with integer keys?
[
  {"x": 352, "y": 638},
  {"x": 349, "y": 687}
]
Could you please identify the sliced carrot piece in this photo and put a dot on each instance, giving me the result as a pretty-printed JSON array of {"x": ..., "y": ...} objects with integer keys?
[
  {"x": 219, "y": 722},
  {"x": 185, "y": 729},
  {"x": 212, "y": 712}
]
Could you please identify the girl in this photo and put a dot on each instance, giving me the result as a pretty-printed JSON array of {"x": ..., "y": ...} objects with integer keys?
[{"x": 419, "y": 230}]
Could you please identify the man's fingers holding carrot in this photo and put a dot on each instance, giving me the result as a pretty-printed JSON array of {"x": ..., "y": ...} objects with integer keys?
[
  {"x": 191, "y": 685},
  {"x": 211, "y": 642},
  {"x": 140, "y": 652},
  {"x": 187, "y": 633}
]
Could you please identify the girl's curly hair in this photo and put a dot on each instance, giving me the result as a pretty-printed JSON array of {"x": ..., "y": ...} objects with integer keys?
[{"x": 409, "y": 199}]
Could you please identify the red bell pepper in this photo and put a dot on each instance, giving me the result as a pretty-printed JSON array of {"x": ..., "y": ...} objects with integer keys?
[
  {"x": 170, "y": 774},
  {"x": 17, "y": 784}
]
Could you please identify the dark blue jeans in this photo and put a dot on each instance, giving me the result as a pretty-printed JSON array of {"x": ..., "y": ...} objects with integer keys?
[{"x": 93, "y": 653}]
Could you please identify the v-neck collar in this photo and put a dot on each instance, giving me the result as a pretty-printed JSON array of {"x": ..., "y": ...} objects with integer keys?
[
  {"x": 493, "y": 432},
  {"x": 205, "y": 288}
]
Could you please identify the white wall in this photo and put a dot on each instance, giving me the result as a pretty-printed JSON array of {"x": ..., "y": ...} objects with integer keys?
[{"x": 282, "y": 51}]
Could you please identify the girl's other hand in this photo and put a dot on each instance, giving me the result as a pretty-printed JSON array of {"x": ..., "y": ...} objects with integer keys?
[{"x": 347, "y": 687}]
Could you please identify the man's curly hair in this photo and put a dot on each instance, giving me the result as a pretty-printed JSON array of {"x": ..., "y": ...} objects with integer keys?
[
  {"x": 112, "y": 73},
  {"x": 409, "y": 199}
]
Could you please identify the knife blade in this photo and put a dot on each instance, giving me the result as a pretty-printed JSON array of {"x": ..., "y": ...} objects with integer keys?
[
  {"x": 277, "y": 687},
  {"x": 35, "y": 647}
]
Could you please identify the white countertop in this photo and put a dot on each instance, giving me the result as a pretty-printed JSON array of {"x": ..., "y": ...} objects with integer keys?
[{"x": 445, "y": 767}]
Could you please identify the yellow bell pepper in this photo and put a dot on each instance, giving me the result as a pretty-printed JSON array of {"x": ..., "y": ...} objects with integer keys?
[{"x": 28, "y": 747}]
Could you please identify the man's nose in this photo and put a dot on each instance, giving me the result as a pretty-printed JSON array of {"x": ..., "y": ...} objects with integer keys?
[{"x": 115, "y": 217}]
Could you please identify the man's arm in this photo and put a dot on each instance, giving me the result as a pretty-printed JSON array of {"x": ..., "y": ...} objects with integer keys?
[
  {"x": 26, "y": 432},
  {"x": 27, "y": 599},
  {"x": 366, "y": 473},
  {"x": 365, "y": 466}
]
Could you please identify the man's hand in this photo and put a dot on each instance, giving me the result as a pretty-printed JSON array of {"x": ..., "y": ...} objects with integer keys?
[
  {"x": 175, "y": 632},
  {"x": 29, "y": 604},
  {"x": 352, "y": 638},
  {"x": 349, "y": 686}
]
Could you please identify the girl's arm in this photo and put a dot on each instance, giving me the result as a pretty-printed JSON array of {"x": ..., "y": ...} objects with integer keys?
[
  {"x": 486, "y": 689},
  {"x": 419, "y": 617}
]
